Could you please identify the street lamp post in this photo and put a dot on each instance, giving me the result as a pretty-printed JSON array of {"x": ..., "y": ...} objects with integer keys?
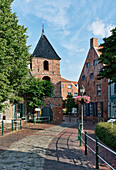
[{"x": 82, "y": 90}]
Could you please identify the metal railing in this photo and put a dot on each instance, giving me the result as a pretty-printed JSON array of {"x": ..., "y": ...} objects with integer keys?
[
  {"x": 9, "y": 124},
  {"x": 97, "y": 147}
]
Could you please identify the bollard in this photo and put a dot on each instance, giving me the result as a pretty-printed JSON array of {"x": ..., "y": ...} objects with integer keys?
[
  {"x": 2, "y": 128},
  {"x": 25, "y": 120},
  {"x": 20, "y": 125},
  {"x": 34, "y": 119},
  {"x": 42, "y": 120},
  {"x": 12, "y": 125},
  {"x": 85, "y": 143},
  {"x": 97, "y": 153},
  {"x": 80, "y": 136},
  {"x": 78, "y": 131}
]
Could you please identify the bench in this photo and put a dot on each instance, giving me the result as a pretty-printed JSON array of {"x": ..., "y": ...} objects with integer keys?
[{"x": 42, "y": 119}]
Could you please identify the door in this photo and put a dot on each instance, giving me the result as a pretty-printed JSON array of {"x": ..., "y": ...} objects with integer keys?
[{"x": 47, "y": 111}]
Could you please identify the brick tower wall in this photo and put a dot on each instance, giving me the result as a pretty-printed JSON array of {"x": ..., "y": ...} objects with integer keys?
[{"x": 55, "y": 77}]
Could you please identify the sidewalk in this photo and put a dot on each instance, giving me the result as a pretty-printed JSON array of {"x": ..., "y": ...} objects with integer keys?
[
  {"x": 105, "y": 154},
  {"x": 64, "y": 153},
  {"x": 49, "y": 147},
  {"x": 27, "y": 149}
]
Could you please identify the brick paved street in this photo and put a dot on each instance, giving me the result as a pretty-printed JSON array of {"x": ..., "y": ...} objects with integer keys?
[
  {"x": 49, "y": 147},
  {"x": 24, "y": 150}
]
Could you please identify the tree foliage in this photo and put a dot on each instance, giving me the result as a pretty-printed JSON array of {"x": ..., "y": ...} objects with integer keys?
[
  {"x": 70, "y": 103},
  {"x": 35, "y": 91},
  {"x": 14, "y": 56},
  {"x": 108, "y": 57}
]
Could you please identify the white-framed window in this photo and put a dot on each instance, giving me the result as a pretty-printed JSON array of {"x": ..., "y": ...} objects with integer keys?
[
  {"x": 95, "y": 62},
  {"x": 114, "y": 88},
  {"x": 75, "y": 94},
  {"x": 98, "y": 89},
  {"x": 91, "y": 109},
  {"x": 91, "y": 75},
  {"x": 69, "y": 86},
  {"x": 88, "y": 65},
  {"x": 83, "y": 77},
  {"x": 62, "y": 85}
]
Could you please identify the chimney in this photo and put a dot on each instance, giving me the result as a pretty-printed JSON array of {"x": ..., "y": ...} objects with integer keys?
[{"x": 93, "y": 42}]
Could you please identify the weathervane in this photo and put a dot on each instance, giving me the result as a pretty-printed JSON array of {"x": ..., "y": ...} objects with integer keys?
[{"x": 42, "y": 27}]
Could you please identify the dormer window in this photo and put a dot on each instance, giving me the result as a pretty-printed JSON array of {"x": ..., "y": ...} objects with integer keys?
[{"x": 46, "y": 65}]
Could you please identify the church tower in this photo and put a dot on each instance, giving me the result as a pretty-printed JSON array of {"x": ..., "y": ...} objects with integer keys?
[{"x": 46, "y": 65}]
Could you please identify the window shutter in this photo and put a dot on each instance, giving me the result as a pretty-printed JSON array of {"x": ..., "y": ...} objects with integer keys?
[
  {"x": 93, "y": 109},
  {"x": 96, "y": 110},
  {"x": 101, "y": 109}
]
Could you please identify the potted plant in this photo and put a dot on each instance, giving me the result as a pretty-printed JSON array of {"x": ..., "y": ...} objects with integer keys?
[{"x": 82, "y": 99}]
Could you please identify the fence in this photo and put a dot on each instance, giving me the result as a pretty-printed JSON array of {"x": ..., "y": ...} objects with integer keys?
[
  {"x": 11, "y": 125},
  {"x": 96, "y": 152}
]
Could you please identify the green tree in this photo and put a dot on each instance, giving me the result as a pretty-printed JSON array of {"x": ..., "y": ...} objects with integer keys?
[
  {"x": 70, "y": 103},
  {"x": 108, "y": 58},
  {"x": 14, "y": 55},
  {"x": 36, "y": 89}
]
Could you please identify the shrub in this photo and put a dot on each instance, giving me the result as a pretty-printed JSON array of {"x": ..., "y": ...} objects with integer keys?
[{"x": 106, "y": 134}]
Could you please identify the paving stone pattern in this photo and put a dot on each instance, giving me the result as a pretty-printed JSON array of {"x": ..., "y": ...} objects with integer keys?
[
  {"x": 64, "y": 152},
  {"x": 30, "y": 152}
]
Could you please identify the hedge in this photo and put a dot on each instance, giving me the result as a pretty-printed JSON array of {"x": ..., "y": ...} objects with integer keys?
[{"x": 106, "y": 134}]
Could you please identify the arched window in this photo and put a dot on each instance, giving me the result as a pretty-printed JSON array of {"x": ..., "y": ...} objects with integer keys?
[
  {"x": 46, "y": 65},
  {"x": 46, "y": 78}
]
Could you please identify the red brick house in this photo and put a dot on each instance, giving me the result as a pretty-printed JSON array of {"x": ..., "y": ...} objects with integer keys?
[
  {"x": 46, "y": 65},
  {"x": 96, "y": 89},
  {"x": 68, "y": 87}
]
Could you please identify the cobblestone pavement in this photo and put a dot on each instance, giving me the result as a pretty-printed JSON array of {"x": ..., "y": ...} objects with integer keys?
[
  {"x": 30, "y": 151},
  {"x": 48, "y": 147}
]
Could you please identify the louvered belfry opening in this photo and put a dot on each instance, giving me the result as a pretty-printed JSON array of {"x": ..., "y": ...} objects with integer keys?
[{"x": 46, "y": 65}]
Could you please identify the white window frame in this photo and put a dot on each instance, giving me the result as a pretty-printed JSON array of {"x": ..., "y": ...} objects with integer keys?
[{"x": 69, "y": 86}]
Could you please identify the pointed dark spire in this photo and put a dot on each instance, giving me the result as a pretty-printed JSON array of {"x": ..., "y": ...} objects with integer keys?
[{"x": 42, "y": 27}]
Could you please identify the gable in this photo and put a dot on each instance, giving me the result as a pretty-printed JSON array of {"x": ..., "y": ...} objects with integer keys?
[{"x": 90, "y": 57}]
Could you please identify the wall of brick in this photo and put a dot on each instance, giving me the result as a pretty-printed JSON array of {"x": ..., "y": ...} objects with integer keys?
[
  {"x": 91, "y": 84},
  {"x": 65, "y": 89},
  {"x": 54, "y": 73},
  {"x": 55, "y": 104}
]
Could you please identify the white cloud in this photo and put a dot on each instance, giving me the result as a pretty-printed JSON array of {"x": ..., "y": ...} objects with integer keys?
[
  {"x": 99, "y": 28},
  {"x": 72, "y": 48},
  {"x": 53, "y": 11}
]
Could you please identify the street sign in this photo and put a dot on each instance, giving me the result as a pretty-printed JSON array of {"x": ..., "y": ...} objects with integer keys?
[{"x": 37, "y": 109}]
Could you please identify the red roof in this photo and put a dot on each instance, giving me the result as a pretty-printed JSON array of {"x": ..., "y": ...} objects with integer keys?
[{"x": 74, "y": 82}]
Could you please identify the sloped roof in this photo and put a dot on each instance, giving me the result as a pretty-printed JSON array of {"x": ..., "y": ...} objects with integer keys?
[
  {"x": 97, "y": 50},
  {"x": 62, "y": 79},
  {"x": 45, "y": 50},
  {"x": 74, "y": 82}
]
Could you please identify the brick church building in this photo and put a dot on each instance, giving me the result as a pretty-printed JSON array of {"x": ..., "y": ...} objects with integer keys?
[{"x": 46, "y": 65}]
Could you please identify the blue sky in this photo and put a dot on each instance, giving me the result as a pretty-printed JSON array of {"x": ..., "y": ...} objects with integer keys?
[{"x": 69, "y": 26}]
